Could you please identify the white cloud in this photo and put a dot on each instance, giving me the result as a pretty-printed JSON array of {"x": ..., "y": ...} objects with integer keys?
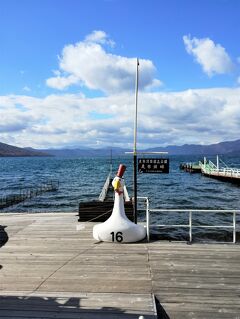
[
  {"x": 26, "y": 88},
  {"x": 212, "y": 57},
  {"x": 15, "y": 121},
  {"x": 88, "y": 64},
  {"x": 59, "y": 120},
  {"x": 192, "y": 116},
  {"x": 60, "y": 82},
  {"x": 99, "y": 36}
]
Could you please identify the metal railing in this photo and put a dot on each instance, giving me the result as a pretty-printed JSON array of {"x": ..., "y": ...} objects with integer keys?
[
  {"x": 190, "y": 224},
  {"x": 146, "y": 202},
  {"x": 227, "y": 171},
  {"x": 212, "y": 169}
]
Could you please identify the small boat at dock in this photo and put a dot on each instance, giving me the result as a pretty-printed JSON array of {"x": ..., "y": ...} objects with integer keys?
[
  {"x": 190, "y": 167},
  {"x": 100, "y": 210}
]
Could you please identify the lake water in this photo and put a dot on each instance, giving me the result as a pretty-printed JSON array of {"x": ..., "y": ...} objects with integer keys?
[{"x": 81, "y": 179}]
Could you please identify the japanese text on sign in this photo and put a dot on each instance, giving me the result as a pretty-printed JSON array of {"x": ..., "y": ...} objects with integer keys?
[{"x": 153, "y": 165}]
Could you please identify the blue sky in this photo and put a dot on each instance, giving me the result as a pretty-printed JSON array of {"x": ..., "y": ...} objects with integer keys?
[{"x": 67, "y": 72}]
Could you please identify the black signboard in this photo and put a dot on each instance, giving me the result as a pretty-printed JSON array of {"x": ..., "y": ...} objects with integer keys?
[{"x": 153, "y": 165}]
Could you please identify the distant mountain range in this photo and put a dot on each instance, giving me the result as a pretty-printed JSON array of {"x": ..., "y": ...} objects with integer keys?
[
  {"x": 14, "y": 151},
  {"x": 230, "y": 147}
]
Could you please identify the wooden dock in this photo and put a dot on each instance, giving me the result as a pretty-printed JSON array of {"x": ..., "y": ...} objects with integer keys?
[
  {"x": 49, "y": 269},
  {"x": 227, "y": 174},
  {"x": 100, "y": 211}
]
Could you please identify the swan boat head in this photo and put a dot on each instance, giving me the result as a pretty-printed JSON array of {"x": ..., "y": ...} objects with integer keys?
[{"x": 118, "y": 185}]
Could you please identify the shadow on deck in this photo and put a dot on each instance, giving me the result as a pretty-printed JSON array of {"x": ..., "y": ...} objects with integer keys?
[
  {"x": 60, "y": 307},
  {"x": 3, "y": 236}
]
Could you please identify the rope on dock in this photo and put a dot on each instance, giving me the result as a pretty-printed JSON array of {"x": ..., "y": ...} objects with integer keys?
[
  {"x": 107, "y": 212},
  {"x": 28, "y": 193}
]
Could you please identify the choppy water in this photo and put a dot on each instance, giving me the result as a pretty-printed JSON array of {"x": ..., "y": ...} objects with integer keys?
[{"x": 81, "y": 179}]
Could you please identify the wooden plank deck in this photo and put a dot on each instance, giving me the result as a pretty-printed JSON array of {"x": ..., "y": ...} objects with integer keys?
[
  {"x": 198, "y": 280},
  {"x": 51, "y": 270},
  {"x": 48, "y": 269}
]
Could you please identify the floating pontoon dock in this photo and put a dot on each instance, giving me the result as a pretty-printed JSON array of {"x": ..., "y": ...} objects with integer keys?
[
  {"x": 49, "y": 269},
  {"x": 209, "y": 169}
]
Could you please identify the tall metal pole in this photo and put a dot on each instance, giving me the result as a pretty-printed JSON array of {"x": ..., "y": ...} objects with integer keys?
[{"x": 135, "y": 148}]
